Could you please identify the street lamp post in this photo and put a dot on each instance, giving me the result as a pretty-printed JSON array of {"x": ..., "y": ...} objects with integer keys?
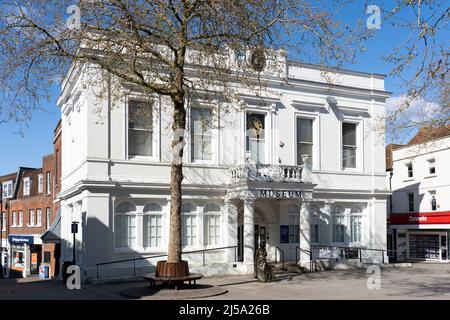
[{"x": 74, "y": 232}]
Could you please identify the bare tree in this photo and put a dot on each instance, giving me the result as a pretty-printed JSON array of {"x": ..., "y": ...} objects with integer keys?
[{"x": 172, "y": 48}]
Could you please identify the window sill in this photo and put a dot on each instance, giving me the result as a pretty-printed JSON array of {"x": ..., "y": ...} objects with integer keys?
[
  {"x": 408, "y": 180},
  {"x": 430, "y": 176}
]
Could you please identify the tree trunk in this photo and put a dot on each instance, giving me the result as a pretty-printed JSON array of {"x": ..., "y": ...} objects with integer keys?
[{"x": 179, "y": 124}]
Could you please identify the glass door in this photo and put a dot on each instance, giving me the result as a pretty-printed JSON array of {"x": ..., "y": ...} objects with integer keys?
[{"x": 444, "y": 252}]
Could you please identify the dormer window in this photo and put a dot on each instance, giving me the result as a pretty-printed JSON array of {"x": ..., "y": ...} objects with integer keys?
[
  {"x": 7, "y": 189},
  {"x": 26, "y": 186}
]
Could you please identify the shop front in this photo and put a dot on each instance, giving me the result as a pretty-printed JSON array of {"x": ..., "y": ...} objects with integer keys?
[
  {"x": 420, "y": 236},
  {"x": 24, "y": 254}
]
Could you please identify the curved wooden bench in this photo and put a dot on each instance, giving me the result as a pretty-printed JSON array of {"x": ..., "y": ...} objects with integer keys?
[{"x": 152, "y": 278}]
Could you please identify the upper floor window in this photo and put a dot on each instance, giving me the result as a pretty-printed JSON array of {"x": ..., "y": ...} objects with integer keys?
[
  {"x": 49, "y": 182},
  {"x": 7, "y": 189},
  {"x": 140, "y": 128},
  {"x": 409, "y": 168},
  {"x": 31, "y": 220},
  {"x": 20, "y": 224},
  {"x": 40, "y": 183},
  {"x": 433, "y": 201},
  {"x": 432, "y": 166},
  {"x": 14, "y": 219},
  {"x": 26, "y": 186},
  {"x": 348, "y": 145},
  {"x": 47, "y": 218},
  {"x": 3, "y": 221},
  {"x": 410, "y": 202},
  {"x": 255, "y": 137},
  {"x": 304, "y": 139},
  {"x": 38, "y": 217},
  {"x": 201, "y": 134}
]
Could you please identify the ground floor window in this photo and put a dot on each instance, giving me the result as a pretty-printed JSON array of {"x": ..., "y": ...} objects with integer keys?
[
  {"x": 152, "y": 230},
  {"x": 355, "y": 223},
  {"x": 189, "y": 230},
  {"x": 125, "y": 230},
  {"x": 212, "y": 230},
  {"x": 314, "y": 227},
  {"x": 424, "y": 246}
]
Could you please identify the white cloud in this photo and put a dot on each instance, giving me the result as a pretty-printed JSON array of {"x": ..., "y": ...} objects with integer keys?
[{"x": 418, "y": 109}]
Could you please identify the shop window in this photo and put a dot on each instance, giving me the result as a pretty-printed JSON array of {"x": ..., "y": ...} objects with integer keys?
[
  {"x": 140, "y": 128},
  {"x": 212, "y": 224},
  {"x": 125, "y": 226},
  {"x": 304, "y": 139},
  {"x": 47, "y": 256},
  {"x": 201, "y": 134},
  {"x": 153, "y": 226},
  {"x": 349, "y": 145},
  {"x": 255, "y": 137}
]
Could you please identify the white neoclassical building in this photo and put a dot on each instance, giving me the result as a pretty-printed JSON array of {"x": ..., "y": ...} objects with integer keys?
[{"x": 296, "y": 168}]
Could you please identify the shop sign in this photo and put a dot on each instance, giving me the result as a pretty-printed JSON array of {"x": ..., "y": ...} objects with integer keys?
[
  {"x": 18, "y": 239},
  {"x": 289, "y": 194},
  {"x": 421, "y": 218}
]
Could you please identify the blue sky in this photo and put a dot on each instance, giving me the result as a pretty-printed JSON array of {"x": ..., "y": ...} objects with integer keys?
[{"x": 28, "y": 148}]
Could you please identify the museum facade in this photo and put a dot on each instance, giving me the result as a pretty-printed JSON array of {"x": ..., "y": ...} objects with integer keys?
[{"x": 296, "y": 167}]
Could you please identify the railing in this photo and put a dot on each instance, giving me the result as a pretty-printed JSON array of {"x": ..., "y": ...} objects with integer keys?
[
  {"x": 346, "y": 252},
  {"x": 298, "y": 251},
  {"x": 262, "y": 172},
  {"x": 281, "y": 252},
  {"x": 165, "y": 255}
]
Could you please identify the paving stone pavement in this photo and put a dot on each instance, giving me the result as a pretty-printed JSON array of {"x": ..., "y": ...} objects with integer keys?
[{"x": 421, "y": 281}]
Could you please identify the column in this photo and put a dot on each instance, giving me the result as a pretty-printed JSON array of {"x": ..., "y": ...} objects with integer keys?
[
  {"x": 305, "y": 233},
  {"x": 249, "y": 231},
  {"x": 231, "y": 226},
  {"x": 27, "y": 261}
]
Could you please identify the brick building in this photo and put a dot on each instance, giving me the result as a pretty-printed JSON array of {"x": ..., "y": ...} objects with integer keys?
[{"x": 28, "y": 212}]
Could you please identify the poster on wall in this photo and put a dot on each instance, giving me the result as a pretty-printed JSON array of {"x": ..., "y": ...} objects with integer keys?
[{"x": 284, "y": 234}]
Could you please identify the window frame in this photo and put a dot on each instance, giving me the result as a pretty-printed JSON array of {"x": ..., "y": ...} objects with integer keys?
[
  {"x": 431, "y": 166},
  {"x": 26, "y": 186},
  {"x": 267, "y": 133},
  {"x": 155, "y": 127},
  {"x": 31, "y": 218},
  {"x": 341, "y": 216},
  {"x": 214, "y": 135},
  {"x": 40, "y": 183},
  {"x": 14, "y": 219},
  {"x": 294, "y": 214},
  {"x": 357, "y": 147},
  {"x": 146, "y": 215},
  {"x": 7, "y": 186},
  {"x": 48, "y": 182},
  {"x": 20, "y": 218},
  {"x": 132, "y": 213},
  {"x": 191, "y": 214},
  {"x": 312, "y": 159},
  {"x": 206, "y": 215},
  {"x": 315, "y": 221},
  {"x": 47, "y": 217},
  {"x": 356, "y": 213},
  {"x": 38, "y": 217}
]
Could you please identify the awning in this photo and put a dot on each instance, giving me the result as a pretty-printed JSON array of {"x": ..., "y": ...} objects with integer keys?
[{"x": 53, "y": 234}]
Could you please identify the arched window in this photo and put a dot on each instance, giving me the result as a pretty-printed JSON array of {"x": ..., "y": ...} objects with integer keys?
[
  {"x": 338, "y": 224},
  {"x": 189, "y": 228},
  {"x": 294, "y": 223},
  {"x": 211, "y": 225},
  {"x": 153, "y": 226},
  {"x": 125, "y": 225},
  {"x": 356, "y": 224}
]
